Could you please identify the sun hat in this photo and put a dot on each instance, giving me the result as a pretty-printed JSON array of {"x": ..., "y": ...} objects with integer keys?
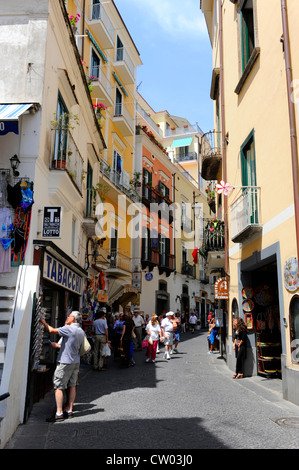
[{"x": 169, "y": 314}]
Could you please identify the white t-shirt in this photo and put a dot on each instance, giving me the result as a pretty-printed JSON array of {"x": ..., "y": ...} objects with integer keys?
[
  {"x": 167, "y": 325},
  {"x": 153, "y": 330},
  {"x": 138, "y": 321}
]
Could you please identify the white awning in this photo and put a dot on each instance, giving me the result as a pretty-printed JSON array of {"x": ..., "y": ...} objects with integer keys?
[{"x": 12, "y": 111}]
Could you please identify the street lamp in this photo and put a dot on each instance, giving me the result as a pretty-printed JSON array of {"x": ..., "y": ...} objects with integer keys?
[{"x": 14, "y": 163}]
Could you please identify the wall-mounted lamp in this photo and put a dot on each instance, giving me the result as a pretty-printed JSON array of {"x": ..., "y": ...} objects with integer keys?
[{"x": 14, "y": 163}]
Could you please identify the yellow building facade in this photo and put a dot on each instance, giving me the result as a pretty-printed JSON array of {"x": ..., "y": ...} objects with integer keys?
[
  {"x": 255, "y": 66},
  {"x": 110, "y": 59}
]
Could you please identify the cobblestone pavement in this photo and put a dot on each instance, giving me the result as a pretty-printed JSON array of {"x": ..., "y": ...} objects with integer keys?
[{"x": 188, "y": 402}]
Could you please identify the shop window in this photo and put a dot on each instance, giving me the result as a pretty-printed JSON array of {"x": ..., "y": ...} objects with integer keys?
[
  {"x": 294, "y": 328},
  {"x": 62, "y": 117}
]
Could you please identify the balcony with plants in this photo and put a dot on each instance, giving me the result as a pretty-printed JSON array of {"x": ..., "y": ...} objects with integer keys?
[
  {"x": 211, "y": 155},
  {"x": 118, "y": 180},
  {"x": 213, "y": 246},
  {"x": 65, "y": 154}
]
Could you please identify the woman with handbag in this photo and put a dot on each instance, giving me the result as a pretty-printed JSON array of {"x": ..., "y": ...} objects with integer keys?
[
  {"x": 153, "y": 330},
  {"x": 239, "y": 346}
]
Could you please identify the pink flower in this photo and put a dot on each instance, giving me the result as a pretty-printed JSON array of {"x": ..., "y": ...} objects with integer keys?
[{"x": 224, "y": 188}]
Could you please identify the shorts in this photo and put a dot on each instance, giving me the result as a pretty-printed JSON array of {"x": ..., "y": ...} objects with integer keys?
[
  {"x": 66, "y": 375},
  {"x": 169, "y": 338},
  {"x": 176, "y": 336}
]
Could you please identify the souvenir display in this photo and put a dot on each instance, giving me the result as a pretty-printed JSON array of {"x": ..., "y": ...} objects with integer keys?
[
  {"x": 263, "y": 295},
  {"x": 247, "y": 305},
  {"x": 249, "y": 321},
  {"x": 247, "y": 292}
]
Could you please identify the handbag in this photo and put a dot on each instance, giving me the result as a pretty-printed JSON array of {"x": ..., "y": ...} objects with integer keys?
[{"x": 85, "y": 346}]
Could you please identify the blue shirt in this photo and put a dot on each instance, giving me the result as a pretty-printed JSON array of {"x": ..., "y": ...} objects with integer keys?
[
  {"x": 72, "y": 337},
  {"x": 100, "y": 326}
]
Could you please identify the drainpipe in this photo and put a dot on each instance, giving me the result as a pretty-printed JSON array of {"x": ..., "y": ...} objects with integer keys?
[
  {"x": 224, "y": 167},
  {"x": 291, "y": 104}
]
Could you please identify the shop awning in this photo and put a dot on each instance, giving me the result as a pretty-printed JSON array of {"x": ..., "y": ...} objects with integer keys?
[
  {"x": 124, "y": 293},
  {"x": 9, "y": 114},
  {"x": 182, "y": 142},
  {"x": 12, "y": 111}
]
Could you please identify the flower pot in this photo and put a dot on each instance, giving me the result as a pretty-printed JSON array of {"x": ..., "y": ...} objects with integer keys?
[{"x": 59, "y": 164}]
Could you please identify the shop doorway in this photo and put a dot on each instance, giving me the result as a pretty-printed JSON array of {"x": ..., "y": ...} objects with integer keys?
[{"x": 261, "y": 300}]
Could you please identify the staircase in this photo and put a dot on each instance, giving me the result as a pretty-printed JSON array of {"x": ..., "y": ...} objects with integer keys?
[{"x": 6, "y": 305}]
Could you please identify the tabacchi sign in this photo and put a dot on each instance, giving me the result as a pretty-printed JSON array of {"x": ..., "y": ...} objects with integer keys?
[{"x": 221, "y": 288}]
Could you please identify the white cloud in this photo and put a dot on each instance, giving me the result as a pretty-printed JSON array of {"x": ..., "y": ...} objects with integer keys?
[{"x": 175, "y": 17}]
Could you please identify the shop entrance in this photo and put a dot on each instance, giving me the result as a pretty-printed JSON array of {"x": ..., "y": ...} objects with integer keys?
[{"x": 261, "y": 308}]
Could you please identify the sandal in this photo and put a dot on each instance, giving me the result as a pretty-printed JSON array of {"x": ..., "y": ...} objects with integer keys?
[
  {"x": 235, "y": 376},
  {"x": 239, "y": 376}
]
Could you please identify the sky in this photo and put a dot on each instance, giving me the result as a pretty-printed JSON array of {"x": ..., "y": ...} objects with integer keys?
[{"x": 172, "y": 39}]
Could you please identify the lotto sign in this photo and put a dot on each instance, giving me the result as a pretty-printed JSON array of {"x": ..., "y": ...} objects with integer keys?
[
  {"x": 51, "y": 222},
  {"x": 221, "y": 288}
]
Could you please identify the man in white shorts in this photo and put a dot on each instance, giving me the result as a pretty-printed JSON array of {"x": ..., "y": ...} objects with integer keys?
[
  {"x": 68, "y": 363},
  {"x": 167, "y": 332}
]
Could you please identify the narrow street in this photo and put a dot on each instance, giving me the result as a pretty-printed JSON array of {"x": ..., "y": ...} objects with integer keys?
[{"x": 188, "y": 402}]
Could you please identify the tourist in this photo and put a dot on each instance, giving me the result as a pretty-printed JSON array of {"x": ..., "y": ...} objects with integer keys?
[{"x": 153, "y": 330}]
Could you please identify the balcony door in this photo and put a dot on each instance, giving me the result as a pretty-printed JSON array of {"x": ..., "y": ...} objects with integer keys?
[
  {"x": 95, "y": 65},
  {"x": 249, "y": 176},
  {"x": 118, "y": 103}
]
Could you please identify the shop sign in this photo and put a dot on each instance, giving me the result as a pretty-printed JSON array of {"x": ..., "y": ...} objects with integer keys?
[
  {"x": 51, "y": 222},
  {"x": 8, "y": 126},
  {"x": 221, "y": 288},
  {"x": 60, "y": 274}
]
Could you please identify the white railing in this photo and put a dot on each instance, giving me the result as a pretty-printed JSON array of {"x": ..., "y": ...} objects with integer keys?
[
  {"x": 123, "y": 56},
  {"x": 120, "y": 261},
  {"x": 98, "y": 13},
  {"x": 120, "y": 110},
  {"x": 188, "y": 129},
  {"x": 245, "y": 211},
  {"x": 98, "y": 76},
  {"x": 148, "y": 119}
]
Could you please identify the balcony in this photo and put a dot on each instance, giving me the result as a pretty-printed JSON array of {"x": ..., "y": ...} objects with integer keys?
[
  {"x": 184, "y": 130},
  {"x": 146, "y": 120},
  {"x": 101, "y": 25},
  {"x": 188, "y": 269},
  {"x": 213, "y": 246},
  {"x": 211, "y": 155},
  {"x": 245, "y": 215},
  {"x": 66, "y": 157},
  {"x": 119, "y": 264},
  {"x": 120, "y": 180},
  {"x": 149, "y": 258},
  {"x": 166, "y": 263},
  {"x": 123, "y": 120},
  {"x": 187, "y": 157},
  {"x": 101, "y": 87},
  {"x": 124, "y": 66}
]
